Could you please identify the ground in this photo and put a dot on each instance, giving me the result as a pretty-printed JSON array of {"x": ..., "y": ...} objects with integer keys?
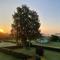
[
  {"x": 27, "y": 51},
  {"x": 52, "y": 55},
  {"x": 48, "y": 55},
  {"x": 53, "y": 44},
  {"x": 7, "y": 57},
  {"x": 6, "y": 44},
  {"x": 50, "y": 44}
]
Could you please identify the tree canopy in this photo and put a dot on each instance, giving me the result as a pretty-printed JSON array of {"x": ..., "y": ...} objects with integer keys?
[{"x": 26, "y": 23}]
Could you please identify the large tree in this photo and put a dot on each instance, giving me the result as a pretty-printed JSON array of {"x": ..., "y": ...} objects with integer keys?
[{"x": 26, "y": 24}]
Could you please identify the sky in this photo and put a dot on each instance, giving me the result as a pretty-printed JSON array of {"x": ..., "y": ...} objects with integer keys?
[{"x": 48, "y": 11}]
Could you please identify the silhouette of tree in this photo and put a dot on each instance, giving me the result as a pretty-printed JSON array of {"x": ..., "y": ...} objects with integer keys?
[
  {"x": 54, "y": 38},
  {"x": 26, "y": 24}
]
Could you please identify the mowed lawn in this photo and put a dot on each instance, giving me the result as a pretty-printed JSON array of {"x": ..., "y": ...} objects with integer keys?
[
  {"x": 30, "y": 51},
  {"x": 48, "y": 55},
  {"x": 7, "y": 44},
  {"x": 54, "y": 44},
  {"x": 27, "y": 51},
  {"x": 7, "y": 57},
  {"x": 49, "y": 44},
  {"x": 52, "y": 55}
]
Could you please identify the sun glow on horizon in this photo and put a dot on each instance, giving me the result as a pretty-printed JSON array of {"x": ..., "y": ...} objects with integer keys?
[{"x": 1, "y": 30}]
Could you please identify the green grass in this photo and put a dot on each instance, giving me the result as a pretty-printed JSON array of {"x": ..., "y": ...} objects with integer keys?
[
  {"x": 52, "y": 55},
  {"x": 7, "y": 57},
  {"x": 53, "y": 44},
  {"x": 30, "y": 52},
  {"x": 27, "y": 51},
  {"x": 49, "y": 55},
  {"x": 6, "y": 44}
]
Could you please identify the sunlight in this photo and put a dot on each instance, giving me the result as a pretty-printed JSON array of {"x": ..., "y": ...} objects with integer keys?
[{"x": 1, "y": 30}]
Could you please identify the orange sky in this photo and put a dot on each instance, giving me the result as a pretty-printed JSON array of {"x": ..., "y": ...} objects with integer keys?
[
  {"x": 6, "y": 29},
  {"x": 48, "y": 11}
]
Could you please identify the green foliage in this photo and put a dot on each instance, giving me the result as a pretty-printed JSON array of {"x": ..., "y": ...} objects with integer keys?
[
  {"x": 26, "y": 23},
  {"x": 54, "y": 38}
]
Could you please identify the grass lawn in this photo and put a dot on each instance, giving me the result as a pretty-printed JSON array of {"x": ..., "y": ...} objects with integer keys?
[
  {"x": 27, "y": 51},
  {"x": 7, "y": 57},
  {"x": 50, "y": 44},
  {"x": 52, "y": 55},
  {"x": 54, "y": 44},
  {"x": 30, "y": 52},
  {"x": 6, "y": 44},
  {"x": 49, "y": 55}
]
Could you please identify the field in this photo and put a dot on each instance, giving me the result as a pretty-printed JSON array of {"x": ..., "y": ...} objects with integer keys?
[
  {"x": 7, "y": 44},
  {"x": 48, "y": 55},
  {"x": 7, "y": 57},
  {"x": 50, "y": 44},
  {"x": 52, "y": 55},
  {"x": 28, "y": 51}
]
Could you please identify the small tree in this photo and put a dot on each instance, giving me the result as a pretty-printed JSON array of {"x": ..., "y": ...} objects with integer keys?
[{"x": 26, "y": 24}]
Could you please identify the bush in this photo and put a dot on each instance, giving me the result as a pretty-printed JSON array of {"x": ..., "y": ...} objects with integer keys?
[{"x": 54, "y": 38}]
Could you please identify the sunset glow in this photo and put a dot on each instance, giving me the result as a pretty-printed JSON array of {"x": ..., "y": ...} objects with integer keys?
[
  {"x": 48, "y": 11},
  {"x": 1, "y": 30}
]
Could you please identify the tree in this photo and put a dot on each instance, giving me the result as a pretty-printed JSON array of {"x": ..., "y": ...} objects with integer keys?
[
  {"x": 54, "y": 38},
  {"x": 26, "y": 24}
]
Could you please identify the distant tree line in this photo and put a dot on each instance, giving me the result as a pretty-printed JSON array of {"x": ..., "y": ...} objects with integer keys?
[{"x": 55, "y": 38}]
